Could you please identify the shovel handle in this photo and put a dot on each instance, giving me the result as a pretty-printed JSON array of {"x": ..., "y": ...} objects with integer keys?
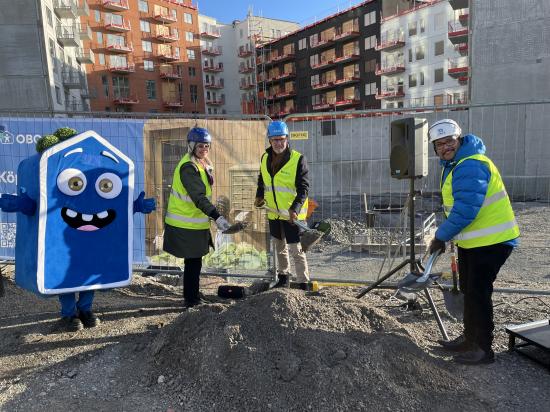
[
  {"x": 454, "y": 267},
  {"x": 284, "y": 213},
  {"x": 429, "y": 265}
]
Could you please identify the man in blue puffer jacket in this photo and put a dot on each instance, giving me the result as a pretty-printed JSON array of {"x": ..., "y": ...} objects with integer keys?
[{"x": 481, "y": 222}]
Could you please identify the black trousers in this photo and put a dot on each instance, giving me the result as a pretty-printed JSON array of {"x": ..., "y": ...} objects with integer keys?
[
  {"x": 191, "y": 278},
  {"x": 478, "y": 269}
]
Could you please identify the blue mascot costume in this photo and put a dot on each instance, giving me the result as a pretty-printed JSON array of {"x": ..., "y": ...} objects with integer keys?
[{"x": 75, "y": 223}]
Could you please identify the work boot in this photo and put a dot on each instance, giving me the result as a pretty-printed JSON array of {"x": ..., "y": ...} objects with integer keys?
[
  {"x": 305, "y": 286},
  {"x": 283, "y": 281},
  {"x": 459, "y": 344},
  {"x": 475, "y": 356},
  {"x": 70, "y": 324},
  {"x": 89, "y": 319}
]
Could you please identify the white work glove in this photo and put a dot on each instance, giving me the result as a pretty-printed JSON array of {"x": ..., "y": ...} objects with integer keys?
[{"x": 222, "y": 224}]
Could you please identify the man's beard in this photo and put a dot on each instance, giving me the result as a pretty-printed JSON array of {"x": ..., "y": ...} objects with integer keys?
[{"x": 279, "y": 150}]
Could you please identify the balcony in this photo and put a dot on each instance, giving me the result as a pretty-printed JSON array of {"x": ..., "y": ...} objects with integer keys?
[
  {"x": 458, "y": 67},
  {"x": 83, "y": 8},
  {"x": 65, "y": 9},
  {"x": 213, "y": 85},
  {"x": 347, "y": 102},
  {"x": 245, "y": 69},
  {"x": 84, "y": 32},
  {"x": 390, "y": 44},
  {"x": 323, "y": 64},
  {"x": 390, "y": 70},
  {"x": 214, "y": 102},
  {"x": 247, "y": 86},
  {"x": 347, "y": 35},
  {"x": 322, "y": 43},
  {"x": 212, "y": 51},
  {"x": 283, "y": 112},
  {"x": 167, "y": 37},
  {"x": 458, "y": 98},
  {"x": 282, "y": 76},
  {"x": 323, "y": 86},
  {"x": 123, "y": 69},
  {"x": 392, "y": 92},
  {"x": 282, "y": 58},
  {"x": 167, "y": 18},
  {"x": 167, "y": 56},
  {"x": 457, "y": 33},
  {"x": 120, "y": 26},
  {"x": 126, "y": 100},
  {"x": 346, "y": 58},
  {"x": 85, "y": 56},
  {"x": 120, "y": 48},
  {"x": 285, "y": 93},
  {"x": 76, "y": 107},
  {"x": 116, "y": 5},
  {"x": 68, "y": 36},
  {"x": 463, "y": 18},
  {"x": 210, "y": 34},
  {"x": 323, "y": 106},
  {"x": 244, "y": 53},
  {"x": 168, "y": 75},
  {"x": 463, "y": 80},
  {"x": 347, "y": 80},
  {"x": 458, "y": 4},
  {"x": 72, "y": 79},
  {"x": 173, "y": 104},
  {"x": 212, "y": 69},
  {"x": 462, "y": 49}
]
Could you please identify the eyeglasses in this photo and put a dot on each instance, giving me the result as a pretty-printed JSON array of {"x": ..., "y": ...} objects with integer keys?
[
  {"x": 441, "y": 145},
  {"x": 203, "y": 146},
  {"x": 278, "y": 141}
]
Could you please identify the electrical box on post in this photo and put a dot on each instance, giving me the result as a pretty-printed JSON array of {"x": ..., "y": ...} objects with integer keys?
[{"x": 409, "y": 148}]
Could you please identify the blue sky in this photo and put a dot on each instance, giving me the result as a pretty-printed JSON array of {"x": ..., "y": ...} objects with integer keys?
[{"x": 299, "y": 11}]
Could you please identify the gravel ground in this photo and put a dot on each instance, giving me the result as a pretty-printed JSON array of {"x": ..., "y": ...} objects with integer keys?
[{"x": 280, "y": 350}]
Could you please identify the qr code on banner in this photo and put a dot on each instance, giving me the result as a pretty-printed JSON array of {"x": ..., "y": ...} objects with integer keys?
[{"x": 7, "y": 235}]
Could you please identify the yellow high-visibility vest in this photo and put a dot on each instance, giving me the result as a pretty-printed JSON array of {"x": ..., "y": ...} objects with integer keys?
[
  {"x": 495, "y": 222},
  {"x": 280, "y": 192},
  {"x": 181, "y": 211}
]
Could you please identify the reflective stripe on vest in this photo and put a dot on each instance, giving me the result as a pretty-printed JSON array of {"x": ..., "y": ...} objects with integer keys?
[
  {"x": 280, "y": 191},
  {"x": 495, "y": 222},
  {"x": 181, "y": 211}
]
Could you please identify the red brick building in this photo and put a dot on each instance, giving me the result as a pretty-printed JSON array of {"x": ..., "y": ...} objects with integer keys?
[{"x": 143, "y": 56}]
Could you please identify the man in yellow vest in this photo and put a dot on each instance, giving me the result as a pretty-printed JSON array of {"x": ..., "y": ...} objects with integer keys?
[
  {"x": 481, "y": 222},
  {"x": 283, "y": 186},
  {"x": 187, "y": 222}
]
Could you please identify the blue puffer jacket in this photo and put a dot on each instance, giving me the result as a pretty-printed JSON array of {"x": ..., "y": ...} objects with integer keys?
[{"x": 470, "y": 181}]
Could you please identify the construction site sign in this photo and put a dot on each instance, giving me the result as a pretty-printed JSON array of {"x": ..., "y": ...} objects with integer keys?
[{"x": 299, "y": 135}]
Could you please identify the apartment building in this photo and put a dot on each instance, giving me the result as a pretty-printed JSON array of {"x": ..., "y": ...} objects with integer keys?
[
  {"x": 326, "y": 66},
  {"x": 41, "y": 66},
  {"x": 146, "y": 56},
  {"x": 228, "y": 60},
  {"x": 424, "y": 54}
]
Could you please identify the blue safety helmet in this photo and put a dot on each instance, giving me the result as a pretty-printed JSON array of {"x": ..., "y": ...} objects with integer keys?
[
  {"x": 198, "y": 135},
  {"x": 277, "y": 128}
]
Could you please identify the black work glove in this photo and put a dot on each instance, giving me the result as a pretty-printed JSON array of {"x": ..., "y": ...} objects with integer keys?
[{"x": 436, "y": 245}]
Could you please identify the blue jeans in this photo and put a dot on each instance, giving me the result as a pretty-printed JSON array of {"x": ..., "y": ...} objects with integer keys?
[{"x": 70, "y": 306}]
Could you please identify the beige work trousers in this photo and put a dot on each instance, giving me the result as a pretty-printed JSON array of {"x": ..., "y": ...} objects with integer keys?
[{"x": 298, "y": 255}]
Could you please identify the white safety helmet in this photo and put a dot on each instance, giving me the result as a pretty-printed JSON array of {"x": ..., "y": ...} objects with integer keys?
[{"x": 444, "y": 128}]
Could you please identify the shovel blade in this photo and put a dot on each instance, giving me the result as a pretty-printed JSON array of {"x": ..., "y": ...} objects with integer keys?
[
  {"x": 310, "y": 237},
  {"x": 454, "y": 303},
  {"x": 236, "y": 227}
]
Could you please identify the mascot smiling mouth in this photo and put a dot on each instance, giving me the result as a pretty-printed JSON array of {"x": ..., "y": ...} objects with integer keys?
[{"x": 87, "y": 223}]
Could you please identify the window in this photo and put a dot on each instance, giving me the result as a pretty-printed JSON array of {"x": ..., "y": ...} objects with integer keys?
[
  {"x": 412, "y": 28},
  {"x": 190, "y": 54},
  {"x": 151, "y": 89},
  {"x": 422, "y": 25},
  {"x": 97, "y": 16},
  {"x": 101, "y": 58},
  {"x": 146, "y": 46},
  {"x": 328, "y": 128},
  {"x": 145, "y": 26},
  {"x": 105, "y": 84},
  {"x": 439, "y": 21},
  {"x": 370, "y": 65},
  {"x": 313, "y": 60},
  {"x": 370, "y": 18},
  {"x": 142, "y": 6},
  {"x": 189, "y": 36},
  {"x": 314, "y": 79},
  {"x": 370, "y": 89},
  {"x": 438, "y": 100},
  {"x": 177, "y": 52},
  {"x": 187, "y": 18},
  {"x": 121, "y": 87},
  {"x": 302, "y": 44},
  {"x": 192, "y": 72},
  {"x": 58, "y": 94},
  {"x": 99, "y": 37},
  {"x": 148, "y": 65},
  {"x": 421, "y": 74},
  {"x": 410, "y": 55},
  {"x": 370, "y": 42},
  {"x": 419, "y": 51},
  {"x": 438, "y": 75},
  {"x": 439, "y": 48},
  {"x": 313, "y": 40},
  {"x": 194, "y": 93},
  {"x": 52, "y": 48},
  {"x": 49, "y": 16},
  {"x": 174, "y": 14},
  {"x": 412, "y": 80}
]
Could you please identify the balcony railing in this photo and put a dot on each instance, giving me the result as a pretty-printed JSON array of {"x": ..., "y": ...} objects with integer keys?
[
  {"x": 68, "y": 36},
  {"x": 282, "y": 57},
  {"x": 354, "y": 32},
  {"x": 388, "y": 70},
  {"x": 167, "y": 37},
  {"x": 172, "y": 104},
  {"x": 243, "y": 52},
  {"x": 324, "y": 85},
  {"x": 347, "y": 102},
  {"x": 126, "y": 100},
  {"x": 116, "y": 5},
  {"x": 324, "y": 105},
  {"x": 391, "y": 43},
  {"x": 215, "y": 102},
  {"x": 83, "y": 8},
  {"x": 73, "y": 79},
  {"x": 84, "y": 31},
  {"x": 245, "y": 69},
  {"x": 119, "y": 26},
  {"x": 214, "y": 85},
  {"x": 457, "y": 32},
  {"x": 120, "y": 48},
  {"x": 210, "y": 33},
  {"x": 65, "y": 9},
  {"x": 458, "y": 67},
  {"x": 169, "y": 75},
  {"x": 247, "y": 85},
  {"x": 167, "y": 56},
  {"x": 123, "y": 69},
  {"x": 322, "y": 43},
  {"x": 347, "y": 80},
  {"x": 347, "y": 57},
  {"x": 285, "y": 93},
  {"x": 391, "y": 92},
  {"x": 212, "y": 51},
  {"x": 165, "y": 18},
  {"x": 213, "y": 69},
  {"x": 462, "y": 48},
  {"x": 85, "y": 56}
]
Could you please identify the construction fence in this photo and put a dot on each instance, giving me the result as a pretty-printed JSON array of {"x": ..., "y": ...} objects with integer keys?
[{"x": 350, "y": 182}]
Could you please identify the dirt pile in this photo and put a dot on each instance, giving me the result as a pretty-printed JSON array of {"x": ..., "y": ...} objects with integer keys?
[{"x": 281, "y": 351}]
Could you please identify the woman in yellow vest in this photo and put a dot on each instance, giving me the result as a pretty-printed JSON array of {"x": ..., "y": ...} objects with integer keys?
[
  {"x": 283, "y": 185},
  {"x": 481, "y": 222},
  {"x": 187, "y": 222}
]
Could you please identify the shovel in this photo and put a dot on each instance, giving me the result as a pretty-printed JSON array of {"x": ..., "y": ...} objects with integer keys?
[
  {"x": 240, "y": 223},
  {"x": 454, "y": 299},
  {"x": 308, "y": 236},
  {"x": 416, "y": 282}
]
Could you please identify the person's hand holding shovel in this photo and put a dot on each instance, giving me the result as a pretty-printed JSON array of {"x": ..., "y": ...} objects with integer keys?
[
  {"x": 292, "y": 216},
  {"x": 436, "y": 245},
  {"x": 259, "y": 202}
]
